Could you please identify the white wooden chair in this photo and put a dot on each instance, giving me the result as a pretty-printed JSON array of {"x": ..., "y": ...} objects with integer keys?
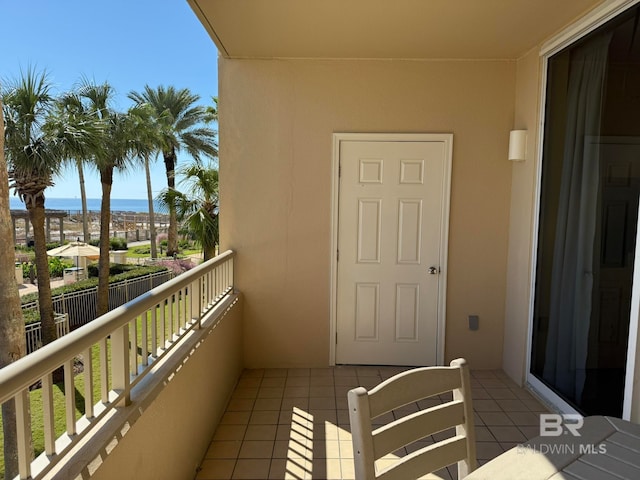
[{"x": 371, "y": 443}]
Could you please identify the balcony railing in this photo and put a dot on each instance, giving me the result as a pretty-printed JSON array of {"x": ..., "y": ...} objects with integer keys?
[{"x": 117, "y": 350}]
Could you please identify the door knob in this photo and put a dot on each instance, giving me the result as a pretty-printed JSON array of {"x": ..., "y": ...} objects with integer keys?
[{"x": 432, "y": 270}]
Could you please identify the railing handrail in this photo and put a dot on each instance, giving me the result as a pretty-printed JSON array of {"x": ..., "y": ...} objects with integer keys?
[{"x": 34, "y": 366}]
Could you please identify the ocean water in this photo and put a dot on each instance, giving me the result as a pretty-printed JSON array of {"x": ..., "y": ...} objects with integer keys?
[{"x": 75, "y": 204}]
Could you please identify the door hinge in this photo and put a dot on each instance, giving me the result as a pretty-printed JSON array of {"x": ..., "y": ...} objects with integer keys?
[
  {"x": 337, "y": 255},
  {"x": 339, "y": 170},
  {"x": 336, "y": 338}
]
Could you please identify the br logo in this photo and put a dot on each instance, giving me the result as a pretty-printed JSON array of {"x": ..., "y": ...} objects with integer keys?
[{"x": 554, "y": 425}]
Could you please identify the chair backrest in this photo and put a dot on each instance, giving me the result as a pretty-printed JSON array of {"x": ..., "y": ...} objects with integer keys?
[{"x": 371, "y": 443}]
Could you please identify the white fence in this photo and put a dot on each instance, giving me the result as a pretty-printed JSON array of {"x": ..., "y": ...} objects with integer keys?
[
  {"x": 33, "y": 331},
  {"x": 80, "y": 306}
]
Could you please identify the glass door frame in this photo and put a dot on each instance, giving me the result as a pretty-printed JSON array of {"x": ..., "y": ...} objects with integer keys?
[{"x": 568, "y": 36}]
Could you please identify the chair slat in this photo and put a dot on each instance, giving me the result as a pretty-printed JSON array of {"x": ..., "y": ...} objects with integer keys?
[
  {"x": 411, "y": 386},
  {"x": 428, "y": 459},
  {"x": 415, "y": 426},
  {"x": 405, "y": 387}
]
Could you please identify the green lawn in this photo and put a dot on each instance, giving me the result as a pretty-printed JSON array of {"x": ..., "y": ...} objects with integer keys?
[{"x": 37, "y": 425}]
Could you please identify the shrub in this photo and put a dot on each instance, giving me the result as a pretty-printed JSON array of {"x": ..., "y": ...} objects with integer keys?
[
  {"x": 176, "y": 266},
  {"x": 143, "y": 250},
  {"x": 93, "y": 282},
  {"x": 114, "y": 269},
  {"x": 57, "y": 266},
  {"x": 115, "y": 243}
]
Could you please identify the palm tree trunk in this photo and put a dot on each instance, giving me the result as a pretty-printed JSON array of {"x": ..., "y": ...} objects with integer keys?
[
  {"x": 106, "y": 179},
  {"x": 152, "y": 220},
  {"x": 12, "y": 336},
  {"x": 209, "y": 252},
  {"x": 172, "y": 237},
  {"x": 35, "y": 207},
  {"x": 83, "y": 196}
]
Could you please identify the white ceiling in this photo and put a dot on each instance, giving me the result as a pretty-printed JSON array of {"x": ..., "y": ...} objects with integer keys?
[{"x": 470, "y": 29}]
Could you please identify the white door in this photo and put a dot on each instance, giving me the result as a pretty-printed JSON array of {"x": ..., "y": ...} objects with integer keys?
[{"x": 393, "y": 215}]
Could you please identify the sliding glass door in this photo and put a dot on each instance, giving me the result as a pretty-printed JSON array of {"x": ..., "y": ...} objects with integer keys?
[{"x": 589, "y": 217}]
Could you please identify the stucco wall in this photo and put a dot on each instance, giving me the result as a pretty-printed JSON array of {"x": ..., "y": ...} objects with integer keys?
[
  {"x": 277, "y": 121},
  {"x": 521, "y": 218}
]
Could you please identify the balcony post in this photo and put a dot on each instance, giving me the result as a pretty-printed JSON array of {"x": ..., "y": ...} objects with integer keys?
[{"x": 120, "y": 375}]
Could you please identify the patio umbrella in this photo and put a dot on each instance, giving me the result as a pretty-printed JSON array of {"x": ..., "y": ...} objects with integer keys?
[{"x": 74, "y": 249}]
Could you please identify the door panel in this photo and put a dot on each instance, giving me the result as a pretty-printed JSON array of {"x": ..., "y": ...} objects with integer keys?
[{"x": 391, "y": 216}]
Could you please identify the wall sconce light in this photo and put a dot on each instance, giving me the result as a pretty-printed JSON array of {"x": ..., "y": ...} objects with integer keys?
[{"x": 518, "y": 145}]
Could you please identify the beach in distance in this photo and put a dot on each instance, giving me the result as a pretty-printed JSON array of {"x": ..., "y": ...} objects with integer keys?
[{"x": 137, "y": 205}]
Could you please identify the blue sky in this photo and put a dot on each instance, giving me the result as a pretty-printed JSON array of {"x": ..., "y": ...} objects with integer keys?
[{"x": 128, "y": 43}]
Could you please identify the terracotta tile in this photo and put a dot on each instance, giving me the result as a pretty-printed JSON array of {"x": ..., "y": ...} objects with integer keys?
[
  {"x": 275, "y": 372},
  {"x": 299, "y": 372},
  {"x": 261, "y": 432},
  {"x": 224, "y": 449},
  {"x": 479, "y": 393},
  {"x": 298, "y": 382},
  {"x": 264, "y": 417},
  {"x": 524, "y": 419},
  {"x": 483, "y": 374},
  {"x": 323, "y": 391},
  {"x": 240, "y": 404},
  {"x": 512, "y": 405},
  {"x": 267, "y": 404},
  {"x": 347, "y": 381},
  {"x": 230, "y": 432},
  {"x": 346, "y": 449},
  {"x": 296, "y": 392},
  {"x": 249, "y": 382},
  {"x": 215, "y": 469},
  {"x": 278, "y": 468},
  {"x": 488, "y": 450},
  {"x": 322, "y": 403},
  {"x": 251, "y": 469},
  {"x": 507, "y": 434},
  {"x": 245, "y": 393},
  {"x": 483, "y": 434},
  {"x": 492, "y": 383},
  {"x": 289, "y": 403},
  {"x": 497, "y": 393},
  {"x": 530, "y": 432},
  {"x": 270, "y": 392},
  {"x": 333, "y": 469},
  {"x": 346, "y": 468},
  {"x": 256, "y": 449},
  {"x": 486, "y": 406},
  {"x": 495, "y": 418},
  {"x": 235, "y": 418},
  {"x": 322, "y": 372},
  {"x": 273, "y": 382},
  {"x": 321, "y": 382},
  {"x": 323, "y": 416}
]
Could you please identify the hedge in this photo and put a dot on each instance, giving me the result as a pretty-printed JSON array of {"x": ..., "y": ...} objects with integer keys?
[{"x": 93, "y": 282}]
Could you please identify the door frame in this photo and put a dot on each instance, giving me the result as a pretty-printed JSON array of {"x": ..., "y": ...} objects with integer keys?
[
  {"x": 338, "y": 138},
  {"x": 574, "y": 32}
]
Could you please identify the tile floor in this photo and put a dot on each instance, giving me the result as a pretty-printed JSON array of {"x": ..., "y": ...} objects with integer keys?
[{"x": 294, "y": 423}]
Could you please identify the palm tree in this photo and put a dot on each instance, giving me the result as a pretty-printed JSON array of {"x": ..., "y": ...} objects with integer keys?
[
  {"x": 114, "y": 155},
  {"x": 146, "y": 143},
  {"x": 181, "y": 128},
  {"x": 12, "y": 336},
  {"x": 33, "y": 160},
  {"x": 197, "y": 210},
  {"x": 71, "y": 105}
]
